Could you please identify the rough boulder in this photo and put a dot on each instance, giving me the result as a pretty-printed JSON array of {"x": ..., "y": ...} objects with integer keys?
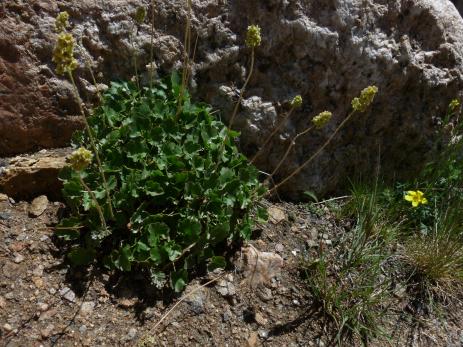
[{"x": 326, "y": 51}]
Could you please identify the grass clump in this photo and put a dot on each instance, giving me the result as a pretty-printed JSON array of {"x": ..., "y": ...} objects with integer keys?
[
  {"x": 174, "y": 205},
  {"x": 437, "y": 257},
  {"x": 433, "y": 227},
  {"x": 407, "y": 235},
  {"x": 347, "y": 281}
]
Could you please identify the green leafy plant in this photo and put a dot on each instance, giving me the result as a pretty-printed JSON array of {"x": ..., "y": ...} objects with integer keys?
[{"x": 174, "y": 206}]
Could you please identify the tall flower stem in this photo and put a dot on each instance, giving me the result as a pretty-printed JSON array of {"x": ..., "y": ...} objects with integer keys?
[
  {"x": 291, "y": 145},
  {"x": 186, "y": 60},
  {"x": 313, "y": 156},
  {"x": 134, "y": 55},
  {"x": 235, "y": 110},
  {"x": 243, "y": 89},
  {"x": 93, "y": 144},
  {"x": 152, "y": 44},
  {"x": 277, "y": 128}
]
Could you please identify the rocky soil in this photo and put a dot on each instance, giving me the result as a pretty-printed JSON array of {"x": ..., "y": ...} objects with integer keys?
[{"x": 45, "y": 303}]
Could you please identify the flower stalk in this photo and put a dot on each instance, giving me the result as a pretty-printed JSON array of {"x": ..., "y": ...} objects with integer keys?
[
  {"x": 93, "y": 145},
  {"x": 295, "y": 103},
  {"x": 359, "y": 104},
  {"x": 79, "y": 160},
  {"x": 186, "y": 59},
  {"x": 253, "y": 40},
  {"x": 63, "y": 57}
]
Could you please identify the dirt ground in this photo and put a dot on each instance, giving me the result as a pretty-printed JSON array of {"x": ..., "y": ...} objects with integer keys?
[{"x": 43, "y": 302}]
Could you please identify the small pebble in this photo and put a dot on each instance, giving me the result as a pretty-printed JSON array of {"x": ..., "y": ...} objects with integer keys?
[
  {"x": 18, "y": 258},
  {"x": 42, "y": 306},
  {"x": 132, "y": 333},
  {"x": 38, "y": 271},
  {"x": 38, "y": 281},
  {"x": 68, "y": 294},
  {"x": 265, "y": 294},
  {"x": 87, "y": 308},
  {"x": 226, "y": 315},
  {"x": 47, "y": 331},
  {"x": 312, "y": 243},
  {"x": 259, "y": 318},
  {"x": 7, "y": 327}
]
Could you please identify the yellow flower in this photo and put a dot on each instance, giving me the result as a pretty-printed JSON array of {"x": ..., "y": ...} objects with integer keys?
[
  {"x": 63, "y": 55},
  {"x": 321, "y": 119},
  {"x": 253, "y": 38},
  {"x": 297, "y": 101},
  {"x": 80, "y": 159},
  {"x": 416, "y": 198},
  {"x": 366, "y": 98},
  {"x": 140, "y": 15},
  {"x": 61, "y": 22},
  {"x": 454, "y": 104}
]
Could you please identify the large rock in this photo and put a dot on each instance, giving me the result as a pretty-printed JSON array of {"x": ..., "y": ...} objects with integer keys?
[
  {"x": 326, "y": 51},
  {"x": 26, "y": 176}
]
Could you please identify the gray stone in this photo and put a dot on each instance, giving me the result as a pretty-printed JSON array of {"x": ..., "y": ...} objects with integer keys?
[
  {"x": 68, "y": 294},
  {"x": 197, "y": 300},
  {"x": 225, "y": 288},
  {"x": 263, "y": 334},
  {"x": 83, "y": 329},
  {"x": 227, "y": 314},
  {"x": 132, "y": 333}
]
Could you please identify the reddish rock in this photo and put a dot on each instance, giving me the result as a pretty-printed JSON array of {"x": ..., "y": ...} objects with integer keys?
[{"x": 30, "y": 114}]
